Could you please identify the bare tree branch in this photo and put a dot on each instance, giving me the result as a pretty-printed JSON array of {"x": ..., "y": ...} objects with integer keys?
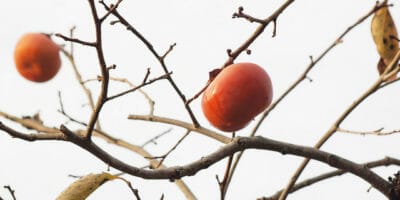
[
  {"x": 163, "y": 157},
  {"x": 305, "y": 183},
  {"x": 245, "y": 46},
  {"x": 71, "y": 59},
  {"x": 52, "y": 134},
  {"x": 238, "y": 144},
  {"x": 154, "y": 139},
  {"x": 339, "y": 120},
  {"x": 146, "y": 96},
  {"x": 31, "y": 137},
  {"x": 241, "y": 14},
  {"x": 103, "y": 68},
  {"x": 112, "y": 8},
  {"x": 182, "y": 124},
  {"x": 165, "y": 76},
  {"x": 134, "y": 191},
  {"x": 161, "y": 60},
  {"x": 75, "y": 40},
  {"x": 378, "y": 132}
]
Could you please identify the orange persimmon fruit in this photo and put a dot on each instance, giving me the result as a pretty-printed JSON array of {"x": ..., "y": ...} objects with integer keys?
[
  {"x": 37, "y": 57},
  {"x": 236, "y": 95}
]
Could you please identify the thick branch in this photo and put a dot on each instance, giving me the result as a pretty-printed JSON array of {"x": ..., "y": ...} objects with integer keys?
[
  {"x": 31, "y": 137},
  {"x": 54, "y": 134},
  {"x": 238, "y": 144},
  {"x": 305, "y": 183}
]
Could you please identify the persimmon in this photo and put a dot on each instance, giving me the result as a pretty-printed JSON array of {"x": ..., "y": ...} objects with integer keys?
[
  {"x": 37, "y": 57},
  {"x": 237, "y": 94}
]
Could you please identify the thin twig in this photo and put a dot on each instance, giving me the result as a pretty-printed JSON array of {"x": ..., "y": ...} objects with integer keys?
[
  {"x": 171, "y": 47},
  {"x": 75, "y": 40},
  {"x": 378, "y": 132},
  {"x": 155, "y": 138},
  {"x": 124, "y": 80},
  {"x": 223, "y": 185},
  {"x": 146, "y": 76},
  {"x": 146, "y": 96},
  {"x": 65, "y": 114},
  {"x": 241, "y": 14},
  {"x": 134, "y": 191},
  {"x": 163, "y": 157},
  {"x": 164, "y": 76}
]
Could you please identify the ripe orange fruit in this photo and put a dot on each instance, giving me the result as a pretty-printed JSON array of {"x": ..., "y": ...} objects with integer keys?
[
  {"x": 37, "y": 57},
  {"x": 239, "y": 93}
]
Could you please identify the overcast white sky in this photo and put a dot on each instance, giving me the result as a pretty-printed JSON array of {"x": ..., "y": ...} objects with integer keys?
[{"x": 203, "y": 30}]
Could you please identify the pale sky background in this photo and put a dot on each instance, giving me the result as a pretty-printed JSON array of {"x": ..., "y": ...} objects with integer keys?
[{"x": 203, "y": 30}]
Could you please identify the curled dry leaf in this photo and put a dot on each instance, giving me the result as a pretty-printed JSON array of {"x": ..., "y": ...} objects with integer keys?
[
  {"x": 385, "y": 36},
  {"x": 82, "y": 188}
]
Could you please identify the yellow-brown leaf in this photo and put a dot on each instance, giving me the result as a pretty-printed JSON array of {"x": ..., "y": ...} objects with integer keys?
[
  {"x": 82, "y": 188},
  {"x": 385, "y": 36}
]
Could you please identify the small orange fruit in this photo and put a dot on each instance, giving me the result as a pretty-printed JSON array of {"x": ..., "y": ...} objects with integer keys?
[
  {"x": 37, "y": 57},
  {"x": 238, "y": 93}
]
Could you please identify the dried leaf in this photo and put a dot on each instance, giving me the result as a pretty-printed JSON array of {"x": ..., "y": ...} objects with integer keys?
[
  {"x": 385, "y": 36},
  {"x": 82, "y": 188}
]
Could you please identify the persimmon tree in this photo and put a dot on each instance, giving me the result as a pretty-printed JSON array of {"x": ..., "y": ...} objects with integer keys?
[{"x": 178, "y": 144}]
